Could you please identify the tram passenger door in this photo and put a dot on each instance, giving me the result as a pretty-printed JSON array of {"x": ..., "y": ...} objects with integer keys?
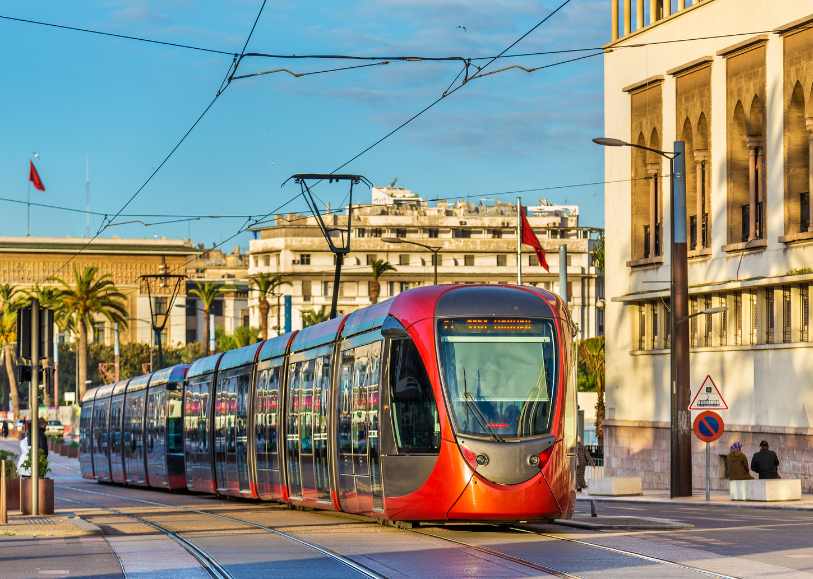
[
  {"x": 319, "y": 413},
  {"x": 292, "y": 425},
  {"x": 242, "y": 383},
  {"x": 360, "y": 486}
]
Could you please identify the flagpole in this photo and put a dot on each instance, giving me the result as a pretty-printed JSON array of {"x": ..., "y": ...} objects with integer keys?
[
  {"x": 519, "y": 240},
  {"x": 28, "y": 212}
]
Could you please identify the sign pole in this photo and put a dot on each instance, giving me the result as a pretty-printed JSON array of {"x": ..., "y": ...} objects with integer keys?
[
  {"x": 34, "y": 406},
  {"x": 708, "y": 472}
]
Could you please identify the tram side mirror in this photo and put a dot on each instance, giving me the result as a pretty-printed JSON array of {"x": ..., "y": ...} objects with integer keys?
[{"x": 393, "y": 329}]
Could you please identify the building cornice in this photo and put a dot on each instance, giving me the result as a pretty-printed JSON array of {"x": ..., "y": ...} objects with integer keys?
[
  {"x": 692, "y": 66},
  {"x": 796, "y": 26},
  {"x": 620, "y": 42},
  {"x": 723, "y": 286},
  {"x": 744, "y": 46},
  {"x": 61, "y": 245},
  {"x": 644, "y": 84}
]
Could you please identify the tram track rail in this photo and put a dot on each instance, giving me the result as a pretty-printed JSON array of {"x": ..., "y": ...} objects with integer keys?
[
  {"x": 625, "y": 552},
  {"x": 337, "y": 557},
  {"x": 498, "y": 554},
  {"x": 208, "y": 563}
]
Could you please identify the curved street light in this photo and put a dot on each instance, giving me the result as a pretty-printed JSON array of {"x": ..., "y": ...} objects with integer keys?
[{"x": 431, "y": 248}]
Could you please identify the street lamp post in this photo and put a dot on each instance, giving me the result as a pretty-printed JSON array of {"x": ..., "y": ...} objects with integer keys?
[
  {"x": 680, "y": 481},
  {"x": 432, "y": 249}
]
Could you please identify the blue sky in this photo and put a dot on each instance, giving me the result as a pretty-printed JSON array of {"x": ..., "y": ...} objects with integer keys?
[{"x": 123, "y": 104}]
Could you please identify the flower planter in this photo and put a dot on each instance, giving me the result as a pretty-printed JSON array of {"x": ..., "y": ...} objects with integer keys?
[
  {"x": 12, "y": 494},
  {"x": 46, "y": 496}
]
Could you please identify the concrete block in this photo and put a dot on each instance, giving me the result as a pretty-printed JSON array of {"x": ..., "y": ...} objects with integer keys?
[
  {"x": 618, "y": 486},
  {"x": 783, "y": 489}
]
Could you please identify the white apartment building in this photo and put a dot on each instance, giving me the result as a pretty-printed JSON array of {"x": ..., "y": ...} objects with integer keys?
[
  {"x": 743, "y": 104},
  {"x": 477, "y": 244}
]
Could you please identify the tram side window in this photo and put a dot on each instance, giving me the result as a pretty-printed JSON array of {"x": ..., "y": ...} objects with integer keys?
[
  {"x": 414, "y": 413},
  {"x": 175, "y": 423}
]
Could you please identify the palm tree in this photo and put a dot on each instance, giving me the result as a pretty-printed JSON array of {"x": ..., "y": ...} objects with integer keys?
[
  {"x": 8, "y": 337},
  {"x": 312, "y": 317},
  {"x": 591, "y": 353},
  {"x": 379, "y": 268},
  {"x": 266, "y": 284},
  {"x": 207, "y": 293},
  {"x": 90, "y": 295},
  {"x": 48, "y": 298}
]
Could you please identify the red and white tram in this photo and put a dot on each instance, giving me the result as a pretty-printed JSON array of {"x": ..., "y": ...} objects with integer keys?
[{"x": 445, "y": 403}]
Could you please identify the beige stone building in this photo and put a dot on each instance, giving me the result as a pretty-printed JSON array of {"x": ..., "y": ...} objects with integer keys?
[
  {"x": 476, "y": 243},
  {"x": 229, "y": 271},
  {"x": 25, "y": 261},
  {"x": 743, "y": 104}
]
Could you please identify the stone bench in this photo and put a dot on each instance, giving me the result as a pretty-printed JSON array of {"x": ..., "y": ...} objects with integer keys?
[
  {"x": 616, "y": 486},
  {"x": 780, "y": 489}
]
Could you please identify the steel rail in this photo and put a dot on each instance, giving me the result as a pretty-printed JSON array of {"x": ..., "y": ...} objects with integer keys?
[
  {"x": 516, "y": 560},
  {"x": 339, "y": 558},
  {"x": 207, "y": 562},
  {"x": 627, "y": 553}
]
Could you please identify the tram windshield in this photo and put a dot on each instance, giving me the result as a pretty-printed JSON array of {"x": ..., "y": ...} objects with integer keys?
[{"x": 499, "y": 375}]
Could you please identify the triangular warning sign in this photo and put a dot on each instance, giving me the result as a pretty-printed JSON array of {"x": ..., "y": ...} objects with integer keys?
[{"x": 708, "y": 397}]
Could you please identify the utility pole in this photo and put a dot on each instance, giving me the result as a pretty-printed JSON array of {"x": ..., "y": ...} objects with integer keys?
[
  {"x": 116, "y": 352},
  {"x": 519, "y": 240},
  {"x": 563, "y": 273},
  {"x": 681, "y": 439},
  {"x": 33, "y": 404}
]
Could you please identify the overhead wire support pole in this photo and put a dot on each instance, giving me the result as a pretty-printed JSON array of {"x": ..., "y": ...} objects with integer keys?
[{"x": 342, "y": 248}]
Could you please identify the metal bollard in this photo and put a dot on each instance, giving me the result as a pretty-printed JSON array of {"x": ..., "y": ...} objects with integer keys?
[
  {"x": 3, "y": 509},
  {"x": 593, "y": 512}
]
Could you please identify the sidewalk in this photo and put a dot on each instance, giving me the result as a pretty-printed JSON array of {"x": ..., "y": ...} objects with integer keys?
[{"x": 718, "y": 499}]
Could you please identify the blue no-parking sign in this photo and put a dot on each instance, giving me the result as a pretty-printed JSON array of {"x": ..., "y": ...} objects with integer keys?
[{"x": 708, "y": 426}]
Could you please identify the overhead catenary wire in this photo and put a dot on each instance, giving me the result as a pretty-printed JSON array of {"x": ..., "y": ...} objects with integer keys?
[
  {"x": 223, "y": 86},
  {"x": 449, "y": 92},
  {"x": 393, "y": 57}
]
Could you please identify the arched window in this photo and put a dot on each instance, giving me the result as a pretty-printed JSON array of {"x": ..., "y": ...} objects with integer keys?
[{"x": 797, "y": 165}]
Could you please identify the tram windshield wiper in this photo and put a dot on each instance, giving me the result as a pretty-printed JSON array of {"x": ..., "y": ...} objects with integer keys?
[{"x": 478, "y": 414}]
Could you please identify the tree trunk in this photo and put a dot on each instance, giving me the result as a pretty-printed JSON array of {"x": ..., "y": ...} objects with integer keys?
[
  {"x": 264, "y": 307},
  {"x": 8, "y": 354},
  {"x": 375, "y": 291},
  {"x": 46, "y": 395},
  {"x": 82, "y": 362},
  {"x": 205, "y": 332},
  {"x": 600, "y": 411}
]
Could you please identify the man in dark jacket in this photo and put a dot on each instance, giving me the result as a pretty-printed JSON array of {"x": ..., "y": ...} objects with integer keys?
[{"x": 765, "y": 462}]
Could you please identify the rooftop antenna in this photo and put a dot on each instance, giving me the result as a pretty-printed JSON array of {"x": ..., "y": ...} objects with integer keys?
[{"x": 87, "y": 196}]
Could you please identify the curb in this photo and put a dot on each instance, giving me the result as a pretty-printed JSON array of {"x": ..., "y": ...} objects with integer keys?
[
  {"x": 681, "y": 503},
  {"x": 84, "y": 525},
  {"x": 622, "y": 523}
]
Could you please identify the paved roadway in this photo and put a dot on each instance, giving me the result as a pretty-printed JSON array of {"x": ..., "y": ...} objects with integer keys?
[{"x": 158, "y": 534}]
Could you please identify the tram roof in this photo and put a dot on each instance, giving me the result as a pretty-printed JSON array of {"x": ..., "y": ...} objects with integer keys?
[
  {"x": 138, "y": 383},
  {"x": 275, "y": 347},
  {"x": 366, "y": 319},
  {"x": 204, "y": 365},
  {"x": 172, "y": 374},
  {"x": 91, "y": 394},
  {"x": 317, "y": 335},
  {"x": 240, "y": 356},
  {"x": 104, "y": 391},
  {"x": 120, "y": 387}
]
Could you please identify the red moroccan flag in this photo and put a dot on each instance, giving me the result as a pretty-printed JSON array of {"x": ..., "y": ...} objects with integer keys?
[
  {"x": 34, "y": 177},
  {"x": 528, "y": 237}
]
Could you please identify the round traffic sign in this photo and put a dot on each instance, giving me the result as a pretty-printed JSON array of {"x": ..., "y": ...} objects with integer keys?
[{"x": 708, "y": 426}]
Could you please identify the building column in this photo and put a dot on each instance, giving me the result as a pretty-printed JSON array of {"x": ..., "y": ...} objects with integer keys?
[
  {"x": 614, "y": 20},
  {"x": 639, "y": 15},
  {"x": 653, "y": 11},
  {"x": 700, "y": 158},
  {"x": 753, "y": 187},
  {"x": 667, "y": 8},
  {"x": 627, "y": 17},
  {"x": 681, "y": 4},
  {"x": 796, "y": 313},
  {"x": 653, "y": 206},
  {"x": 809, "y": 127}
]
